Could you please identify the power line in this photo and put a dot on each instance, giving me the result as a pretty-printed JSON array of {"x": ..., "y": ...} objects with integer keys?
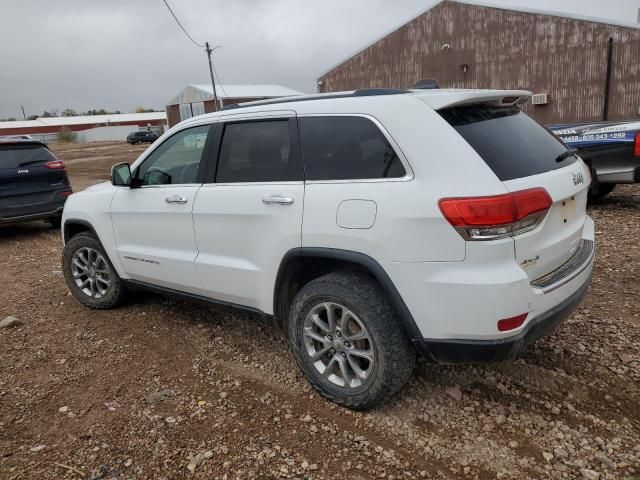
[
  {"x": 219, "y": 79},
  {"x": 207, "y": 49},
  {"x": 180, "y": 25}
]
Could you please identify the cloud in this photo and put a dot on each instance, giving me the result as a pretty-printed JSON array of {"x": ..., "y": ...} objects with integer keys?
[{"x": 125, "y": 53}]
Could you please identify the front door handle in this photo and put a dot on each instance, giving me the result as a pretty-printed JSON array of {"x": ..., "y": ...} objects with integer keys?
[
  {"x": 277, "y": 199},
  {"x": 176, "y": 199}
]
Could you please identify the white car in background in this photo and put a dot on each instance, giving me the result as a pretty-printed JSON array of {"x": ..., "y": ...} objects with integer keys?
[{"x": 371, "y": 225}]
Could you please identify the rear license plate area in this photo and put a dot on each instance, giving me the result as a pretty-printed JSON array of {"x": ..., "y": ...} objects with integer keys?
[{"x": 567, "y": 209}]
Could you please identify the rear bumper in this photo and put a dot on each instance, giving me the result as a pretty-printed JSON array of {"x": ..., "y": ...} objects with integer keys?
[
  {"x": 480, "y": 351},
  {"x": 25, "y": 207},
  {"x": 456, "y": 305},
  {"x": 57, "y": 211},
  {"x": 621, "y": 175}
]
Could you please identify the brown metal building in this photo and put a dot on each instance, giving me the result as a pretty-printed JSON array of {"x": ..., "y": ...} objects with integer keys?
[
  {"x": 588, "y": 69},
  {"x": 198, "y": 99}
]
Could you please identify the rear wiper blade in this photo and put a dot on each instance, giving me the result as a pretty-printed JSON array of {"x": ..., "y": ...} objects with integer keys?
[{"x": 566, "y": 154}]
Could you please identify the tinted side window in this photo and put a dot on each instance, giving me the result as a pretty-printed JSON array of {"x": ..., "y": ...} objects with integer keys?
[
  {"x": 257, "y": 152},
  {"x": 510, "y": 142},
  {"x": 346, "y": 148},
  {"x": 14, "y": 156},
  {"x": 176, "y": 160}
]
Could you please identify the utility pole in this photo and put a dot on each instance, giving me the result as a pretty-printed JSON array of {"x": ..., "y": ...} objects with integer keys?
[
  {"x": 23, "y": 115},
  {"x": 213, "y": 81}
]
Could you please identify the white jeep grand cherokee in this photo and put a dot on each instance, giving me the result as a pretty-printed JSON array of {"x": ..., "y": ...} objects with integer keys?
[{"x": 371, "y": 225}]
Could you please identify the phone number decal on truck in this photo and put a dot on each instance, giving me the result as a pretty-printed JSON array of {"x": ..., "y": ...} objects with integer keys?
[{"x": 596, "y": 133}]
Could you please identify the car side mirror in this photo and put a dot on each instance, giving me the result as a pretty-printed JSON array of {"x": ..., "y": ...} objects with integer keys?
[{"x": 121, "y": 175}]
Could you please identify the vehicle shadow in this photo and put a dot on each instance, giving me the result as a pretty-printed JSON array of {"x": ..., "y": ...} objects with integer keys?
[
  {"x": 624, "y": 196},
  {"x": 26, "y": 231}
]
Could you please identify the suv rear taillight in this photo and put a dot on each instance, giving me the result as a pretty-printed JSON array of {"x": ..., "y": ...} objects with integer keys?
[
  {"x": 55, "y": 164},
  {"x": 636, "y": 145},
  {"x": 498, "y": 216}
]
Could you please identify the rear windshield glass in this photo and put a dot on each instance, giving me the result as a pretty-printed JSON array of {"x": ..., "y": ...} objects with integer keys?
[
  {"x": 14, "y": 156},
  {"x": 508, "y": 140}
]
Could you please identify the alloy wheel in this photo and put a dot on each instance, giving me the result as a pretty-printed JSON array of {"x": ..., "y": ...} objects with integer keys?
[
  {"x": 339, "y": 345},
  {"x": 90, "y": 272}
]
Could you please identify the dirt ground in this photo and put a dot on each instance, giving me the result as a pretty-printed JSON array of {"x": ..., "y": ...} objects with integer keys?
[{"x": 159, "y": 387}]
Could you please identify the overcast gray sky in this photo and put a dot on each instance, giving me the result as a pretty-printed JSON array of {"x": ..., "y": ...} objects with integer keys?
[{"x": 119, "y": 54}]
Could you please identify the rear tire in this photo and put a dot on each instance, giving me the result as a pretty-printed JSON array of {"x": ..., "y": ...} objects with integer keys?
[
  {"x": 597, "y": 190},
  {"x": 366, "y": 357},
  {"x": 89, "y": 274}
]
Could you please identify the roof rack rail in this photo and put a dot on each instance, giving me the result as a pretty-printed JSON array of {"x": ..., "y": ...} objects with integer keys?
[
  {"x": 363, "y": 92},
  {"x": 426, "y": 84},
  {"x": 370, "y": 92}
]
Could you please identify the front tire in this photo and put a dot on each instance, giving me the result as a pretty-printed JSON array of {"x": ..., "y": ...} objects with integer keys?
[
  {"x": 348, "y": 341},
  {"x": 89, "y": 274}
]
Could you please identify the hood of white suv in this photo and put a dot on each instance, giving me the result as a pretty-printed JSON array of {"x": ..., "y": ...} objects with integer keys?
[{"x": 98, "y": 187}]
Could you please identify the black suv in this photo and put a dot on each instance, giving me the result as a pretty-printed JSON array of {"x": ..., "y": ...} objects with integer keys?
[
  {"x": 143, "y": 136},
  {"x": 33, "y": 182}
]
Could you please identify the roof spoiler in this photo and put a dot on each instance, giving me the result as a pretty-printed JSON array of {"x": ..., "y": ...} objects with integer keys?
[{"x": 426, "y": 84}]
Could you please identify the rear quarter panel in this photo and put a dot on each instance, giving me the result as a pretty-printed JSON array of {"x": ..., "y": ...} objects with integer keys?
[{"x": 409, "y": 226}]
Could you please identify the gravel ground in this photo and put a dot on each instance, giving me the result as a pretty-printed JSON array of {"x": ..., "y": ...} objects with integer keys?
[{"x": 167, "y": 389}]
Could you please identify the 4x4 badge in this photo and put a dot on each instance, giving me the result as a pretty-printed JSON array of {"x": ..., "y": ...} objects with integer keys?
[{"x": 577, "y": 178}]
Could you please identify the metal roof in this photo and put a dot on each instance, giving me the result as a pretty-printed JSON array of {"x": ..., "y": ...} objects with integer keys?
[
  {"x": 202, "y": 92},
  {"x": 572, "y": 16},
  {"x": 480, "y": 4},
  {"x": 85, "y": 119}
]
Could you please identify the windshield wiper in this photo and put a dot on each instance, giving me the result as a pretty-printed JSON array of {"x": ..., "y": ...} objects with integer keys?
[{"x": 566, "y": 154}]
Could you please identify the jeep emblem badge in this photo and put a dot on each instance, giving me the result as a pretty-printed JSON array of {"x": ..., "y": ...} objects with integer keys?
[{"x": 577, "y": 178}]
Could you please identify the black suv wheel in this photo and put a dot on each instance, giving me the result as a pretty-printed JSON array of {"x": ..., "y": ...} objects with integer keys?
[
  {"x": 348, "y": 341},
  {"x": 56, "y": 221}
]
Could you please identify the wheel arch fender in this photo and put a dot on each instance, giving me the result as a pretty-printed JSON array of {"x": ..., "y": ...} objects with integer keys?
[{"x": 335, "y": 259}]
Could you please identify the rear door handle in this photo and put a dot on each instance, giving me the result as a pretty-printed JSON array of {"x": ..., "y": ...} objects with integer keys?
[
  {"x": 277, "y": 199},
  {"x": 176, "y": 199}
]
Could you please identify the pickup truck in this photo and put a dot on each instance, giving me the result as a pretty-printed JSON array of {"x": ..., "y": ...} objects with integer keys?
[{"x": 610, "y": 149}]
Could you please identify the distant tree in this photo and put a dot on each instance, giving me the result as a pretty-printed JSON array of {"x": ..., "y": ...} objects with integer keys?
[
  {"x": 101, "y": 111},
  {"x": 10, "y": 119},
  {"x": 69, "y": 112},
  {"x": 33, "y": 117},
  {"x": 143, "y": 110},
  {"x": 52, "y": 113},
  {"x": 118, "y": 112},
  {"x": 66, "y": 135}
]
